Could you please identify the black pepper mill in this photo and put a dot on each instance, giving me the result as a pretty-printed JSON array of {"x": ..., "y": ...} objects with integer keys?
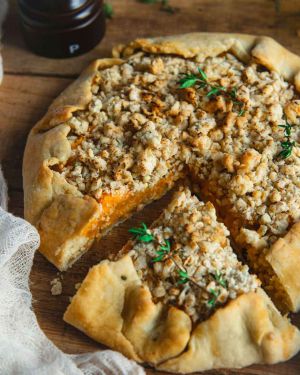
[{"x": 62, "y": 28}]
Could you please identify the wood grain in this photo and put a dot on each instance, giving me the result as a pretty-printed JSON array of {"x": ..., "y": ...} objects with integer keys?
[
  {"x": 133, "y": 19},
  {"x": 30, "y": 84}
]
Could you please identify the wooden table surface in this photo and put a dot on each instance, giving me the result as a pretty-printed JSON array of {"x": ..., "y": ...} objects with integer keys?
[{"x": 31, "y": 82}]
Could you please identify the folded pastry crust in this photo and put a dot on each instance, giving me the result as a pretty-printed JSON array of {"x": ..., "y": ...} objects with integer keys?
[
  {"x": 284, "y": 258},
  {"x": 114, "y": 308},
  {"x": 47, "y": 193},
  {"x": 248, "y": 330}
]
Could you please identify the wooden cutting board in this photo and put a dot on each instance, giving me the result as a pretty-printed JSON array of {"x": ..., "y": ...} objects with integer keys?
[{"x": 30, "y": 84}]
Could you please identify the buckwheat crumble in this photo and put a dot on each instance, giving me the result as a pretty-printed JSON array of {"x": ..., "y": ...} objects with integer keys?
[
  {"x": 236, "y": 158},
  {"x": 199, "y": 271},
  {"x": 140, "y": 126}
]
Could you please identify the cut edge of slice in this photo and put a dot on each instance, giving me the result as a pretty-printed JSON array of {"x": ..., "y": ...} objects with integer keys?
[
  {"x": 115, "y": 309},
  {"x": 70, "y": 224}
]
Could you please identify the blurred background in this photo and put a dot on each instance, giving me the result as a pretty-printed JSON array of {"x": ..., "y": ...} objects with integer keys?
[{"x": 141, "y": 18}]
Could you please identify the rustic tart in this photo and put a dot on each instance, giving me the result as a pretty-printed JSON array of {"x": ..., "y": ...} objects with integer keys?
[
  {"x": 220, "y": 109},
  {"x": 178, "y": 298}
]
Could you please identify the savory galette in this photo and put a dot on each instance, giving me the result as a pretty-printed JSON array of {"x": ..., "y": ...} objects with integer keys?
[{"x": 222, "y": 109}]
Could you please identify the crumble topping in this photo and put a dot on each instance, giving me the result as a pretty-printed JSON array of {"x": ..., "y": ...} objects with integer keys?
[
  {"x": 200, "y": 271},
  {"x": 140, "y": 127}
]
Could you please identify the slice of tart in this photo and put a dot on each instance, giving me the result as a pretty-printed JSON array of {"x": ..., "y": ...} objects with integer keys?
[
  {"x": 178, "y": 298},
  {"x": 108, "y": 157}
]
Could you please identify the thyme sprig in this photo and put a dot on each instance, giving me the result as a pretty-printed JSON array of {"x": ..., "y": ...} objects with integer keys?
[
  {"x": 219, "y": 279},
  {"x": 201, "y": 81},
  {"x": 287, "y": 149},
  {"x": 189, "y": 80},
  {"x": 165, "y": 250},
  {"x": 165, "y": 5},
  {"x": 214, "y": 297},
  {"x": 287, "y": 145},
  {"x": 162, "y": 252},
  {"x": 183, "y": 277},
  {"x": 142, "y": 234},
  {"x": 108, "y": 10},
  {"x": 238, "y": 103}
]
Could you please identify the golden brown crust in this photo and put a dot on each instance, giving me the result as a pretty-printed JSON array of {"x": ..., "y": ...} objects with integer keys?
[
  {"x": 113, "y": 308},
  {"x": 68, "y": 221},
  {"x": 248, "y": 330},
  {"x": 97, "y": 307},
  {"x": 284, "y": 257},
  {"x": 121, "y": 314},
  {"x": 155, "y": 332}
]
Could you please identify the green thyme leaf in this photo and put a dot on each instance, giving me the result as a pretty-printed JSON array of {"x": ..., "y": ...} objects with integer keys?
[
  {"x": 183, "y": 273},
  {"x": 215, "y": 294},
  {"x": 287, "y": 128},
  {"x": 287, "y": 145},
  {"x": 160, "y": 252},
  {"x": 219, "y": 279},
  {"x": 166, "y": 247},
  {"x": 203, "y": 75},
  {"x": 157, "y": 259},
  {"x": 212, "y": 92},
  {"x": 142, "y": 234},
  {"x": 287, "y": 148},
  {"x": 145, "y": 238},
  {"x": 163, "y": 251},
  {"x": 108, "y": 10},
  {"x": 201, "y": 82},
  {"x": 183, "y": 277},
  {"x": 136, "y": 230},
  {"x": 232, "y": 93},
  {"x": 188, "y": 80},
  {"x": 215, "y": 90},
  {"x": 241, "y": 105},
  {"x": 284, "y": 154},
  {"x": 241, "y": 112}
]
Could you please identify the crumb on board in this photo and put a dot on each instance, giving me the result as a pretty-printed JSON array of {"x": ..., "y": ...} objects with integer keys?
[{"x": 56, "y": 286}]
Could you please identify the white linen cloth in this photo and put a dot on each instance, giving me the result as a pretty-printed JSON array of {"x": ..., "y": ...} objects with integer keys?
[{"x": 24, "y": 348}]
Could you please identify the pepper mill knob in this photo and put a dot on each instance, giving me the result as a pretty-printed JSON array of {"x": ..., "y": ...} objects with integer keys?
[{"x": 62, "y": 28}]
